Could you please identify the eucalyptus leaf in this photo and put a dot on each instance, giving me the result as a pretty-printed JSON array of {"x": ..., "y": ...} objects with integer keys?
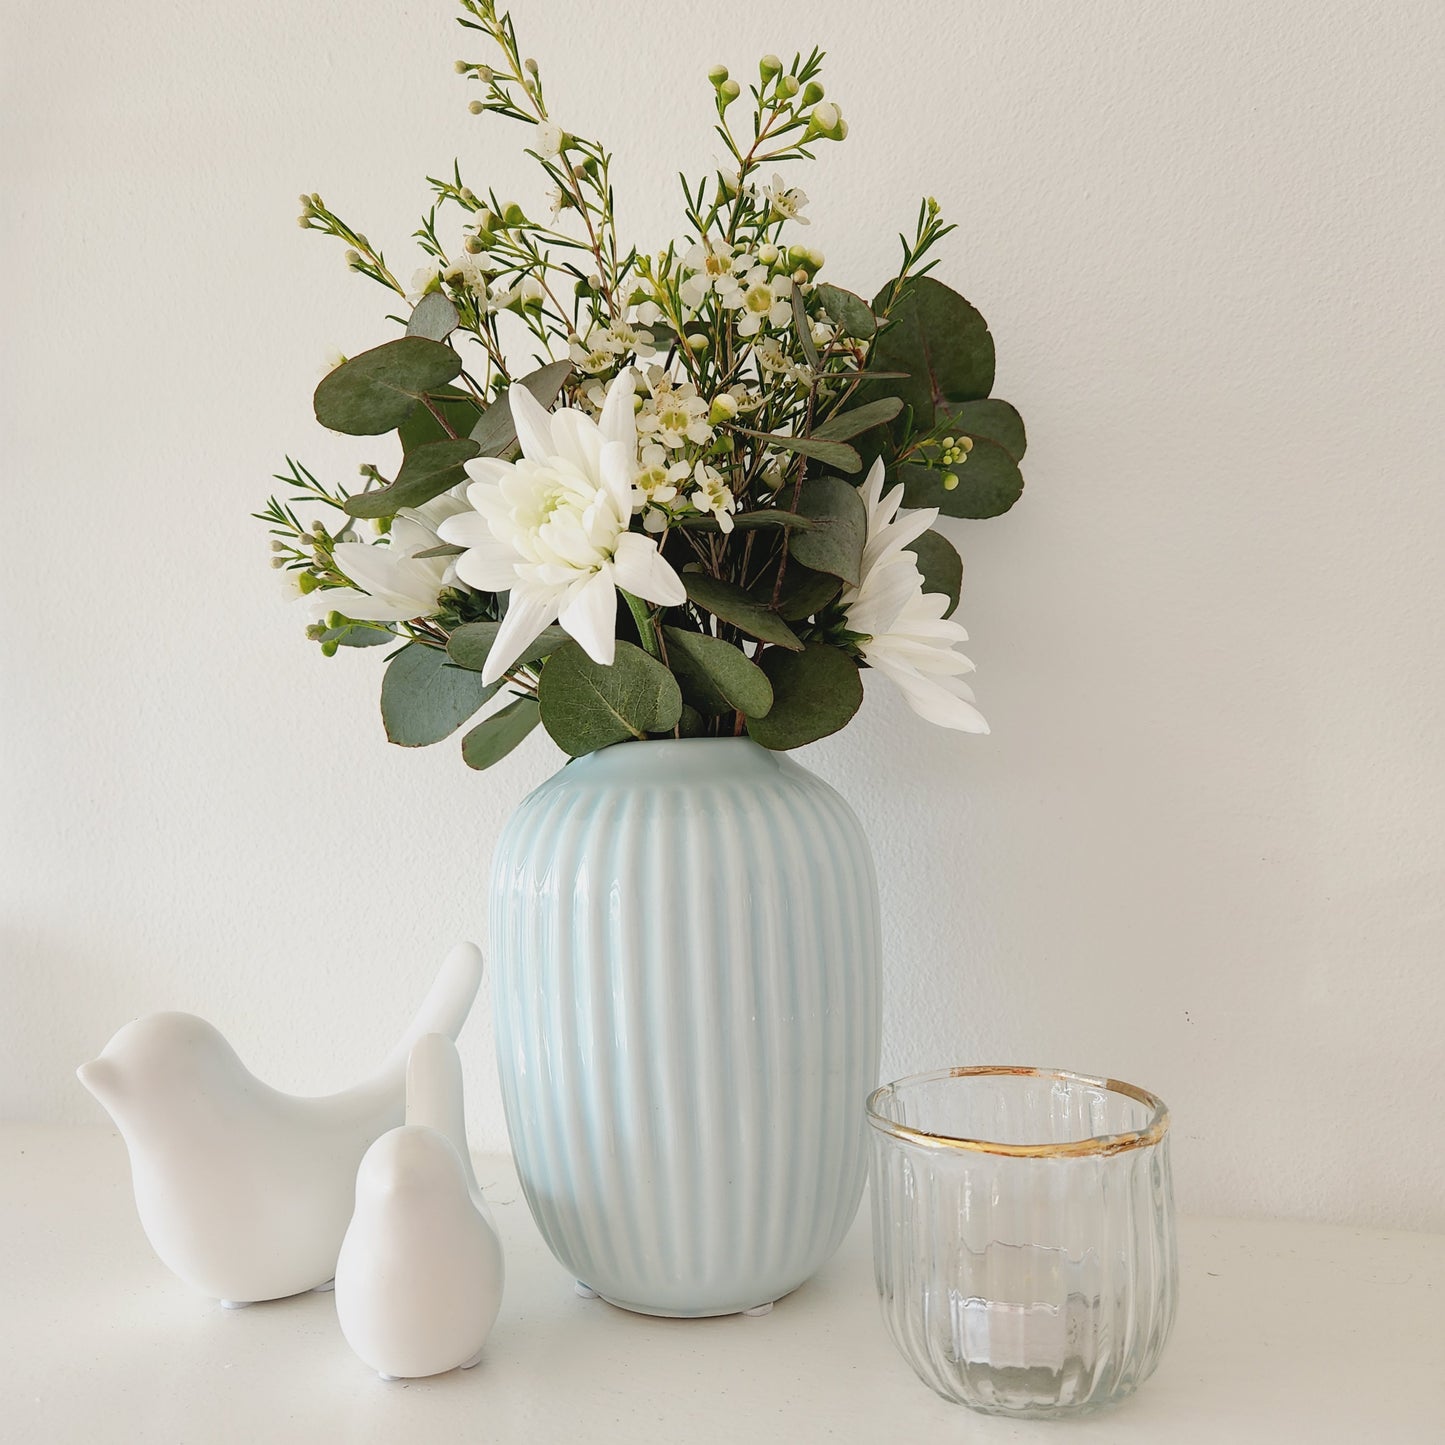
[
  {"x": 376, "y": 391},
  {"x": 426, "y": 472},
  {"x": 836, "y": 454},
  {"x": 586, "y": 706},
  {"x": 834, "y": 543},
  {"x": 442, "y": 549},
  {"x": 434, "y": 317},
  {"x": 845, "y": 424},
  {"x": 470, "y": 644},
  {"x": 989, "y": 420},
  {"x": 496, "y": 433},
  {"x": 849, "y": 313},
  {"x": 494, "y": 737},
  {"x": 815, "y": 692},
  {"x": 457, "y": 408},
  {"x": 940, "y": 566},
  {"x": 989, "y": 483},
  {"x": 942, "y": 342},
  {"x": 805, "y": 592},
  {"x": 734, "y": 605},
  {"x": 423, "y": 699},
  {"x": 715, "y": 676}
]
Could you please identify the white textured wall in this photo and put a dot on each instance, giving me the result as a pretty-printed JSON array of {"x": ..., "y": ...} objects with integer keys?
[{"x": 1202, "y": 849}]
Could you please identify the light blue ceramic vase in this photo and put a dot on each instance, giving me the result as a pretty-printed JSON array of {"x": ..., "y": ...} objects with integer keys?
[{"x": 685, "y": 962}]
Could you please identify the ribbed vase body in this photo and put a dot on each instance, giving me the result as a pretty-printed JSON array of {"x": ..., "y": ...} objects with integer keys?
[{"x": 685, "y": 951}]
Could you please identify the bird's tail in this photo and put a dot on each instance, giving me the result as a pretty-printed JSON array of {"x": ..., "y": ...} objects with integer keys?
[
  {"x": 434, "y": 1096},
  {"x": 443, "y": 1011}
]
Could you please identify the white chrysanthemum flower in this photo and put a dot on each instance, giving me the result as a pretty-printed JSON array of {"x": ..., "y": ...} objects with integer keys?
[
  {"x": 786, "y": 202},
  {"x": 715, "y": 266},
  {"x": 910, "y": 641},
  {"x": 760, "y": 303},
  {"x": 552, "y": 528},
  {"x": 713, "y": 495},
  {"x": 393, "y": 584}
]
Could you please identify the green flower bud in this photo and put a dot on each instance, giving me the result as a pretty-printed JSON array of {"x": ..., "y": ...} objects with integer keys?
[
  {"x": 308, "y": 582},
  {"x": 697, "y": 342},
  {"x": 353, "y": 259},
  {"x": 460, "y": 66},
  {"x": 334, "y": 619},
  {"x": 472, "y": 245},
  {"x": 328, "y": 649},
  {"x": 315, "y": 632},
  {"x": 728, "y": 92},
  {"x": 788, "y": 86},
  {"x": 769, "y": 66},
  {"x": 514, "y": 215},
  {"x": 718, "y": 74},
  {"x": 304, "y": 220},
  {"x": 530, "y": 66},
  {"x": 724, "y": 408},
  {"x": 950, "y": 481},
  {"x": 278, "y": 562},
  {"x": 812, "y": 93},
  {"x": 485, "y": 74},
  {"x": 468, "y": 195},
  {"x": 476, "y": 107}
]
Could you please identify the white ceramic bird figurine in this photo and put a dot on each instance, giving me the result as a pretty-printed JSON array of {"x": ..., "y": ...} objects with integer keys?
[
  {"x": 243, "y": 1191},
  {"x": 419, "y": 1280}
]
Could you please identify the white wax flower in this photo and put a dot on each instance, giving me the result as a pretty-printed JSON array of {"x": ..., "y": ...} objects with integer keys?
[
  {"x": 910, "y": 641},
  {"x": 552, "y": 529}
]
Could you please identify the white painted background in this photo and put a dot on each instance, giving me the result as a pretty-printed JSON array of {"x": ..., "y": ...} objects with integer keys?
[{"x": 1203, "y": 848}]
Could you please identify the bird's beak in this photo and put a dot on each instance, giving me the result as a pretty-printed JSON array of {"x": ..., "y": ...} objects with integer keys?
[{"x": 99, "y": 1076}]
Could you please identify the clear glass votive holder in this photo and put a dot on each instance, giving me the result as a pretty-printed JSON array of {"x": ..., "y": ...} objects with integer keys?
[{"x": 1023, "y": 1235}]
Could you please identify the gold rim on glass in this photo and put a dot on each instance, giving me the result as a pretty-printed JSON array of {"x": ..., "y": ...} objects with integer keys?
[{"x": 1095, "y": 1144}]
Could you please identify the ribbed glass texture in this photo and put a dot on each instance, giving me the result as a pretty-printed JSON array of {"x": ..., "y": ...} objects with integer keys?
[
  {"x": 685, "y": 966},
  {"x": 1040, "y": 1281}
]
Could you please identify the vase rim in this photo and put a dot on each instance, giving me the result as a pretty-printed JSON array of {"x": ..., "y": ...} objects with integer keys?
[{"x": 1090, "y": 1145}]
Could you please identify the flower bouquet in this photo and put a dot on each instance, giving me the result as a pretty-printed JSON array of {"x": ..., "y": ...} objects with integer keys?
[{"x": 668, "y": 493}]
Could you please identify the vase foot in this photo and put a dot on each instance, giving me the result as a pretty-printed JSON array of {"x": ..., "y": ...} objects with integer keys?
[
  {"x": 390, "y": 1379},
  {"x": 323, "y": 1288},
  {"x": 475, "y": 1360},
  {"x": 758, "y": 1310},
  {"x": 585, "y": 1290},
  {"x": 236, "y": 1304}
]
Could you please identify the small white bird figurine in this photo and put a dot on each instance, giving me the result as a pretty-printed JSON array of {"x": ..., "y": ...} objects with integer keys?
[
  {"x": 245, "y": 1192},
  {"x": 419, "y": 1280}
]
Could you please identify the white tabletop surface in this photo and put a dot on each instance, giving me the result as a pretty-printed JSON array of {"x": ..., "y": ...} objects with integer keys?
[{"x": 1286, "y": 1333}]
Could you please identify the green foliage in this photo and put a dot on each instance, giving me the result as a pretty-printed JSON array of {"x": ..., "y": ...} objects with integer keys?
[
  {"x": 451, "y": 413},
  {"x": 586, "y": 706},
  {"x": 805, "y": 592},
  {"x": 427, "y": 472},
  {"x": 495, "y": 433},
  {"x": 494, "y": 737},
  {"x": 845, "y": 424},
  {"x": 376, "y": 391},
  {"x": 815, "y": 692},
  {"x": 988, "y": 484},
  {"x": 835, "y": 454},
  {"x": 940, "y": 565},
  {"x": 849, "y": 313},
  {"x": 715, "y": 676},
  {"x": 470, "y": 644},
  {"x": 942, "y": 343},
  {"x": 433, "y": 317},
  {"x": 988, "y": 420},
  {"x": 424, "y": 698},
  {"x": 834, "y": 543},
  {"x": 732, "y": 604}
]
